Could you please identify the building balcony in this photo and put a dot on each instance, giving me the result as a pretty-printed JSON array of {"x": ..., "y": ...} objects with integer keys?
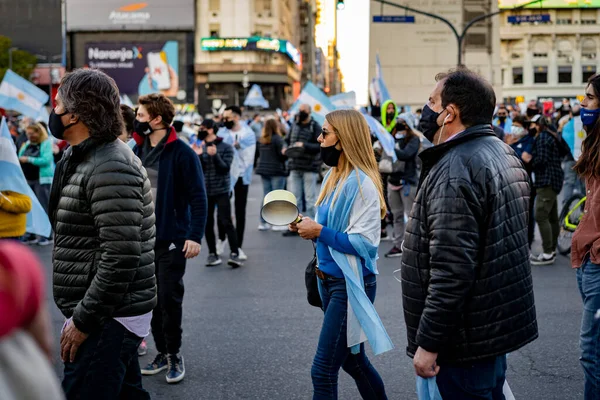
[{"x": 516, "y": 32}]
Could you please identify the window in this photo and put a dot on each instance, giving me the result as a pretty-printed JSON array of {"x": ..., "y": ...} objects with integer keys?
[
  {"x": 214, "y": 5},
  {"x": 540, "y": 75},
  {"x": 476, "y": 39},
  {"x": 564, "y": 21},
  {"x": 588, "y": 17},
  {"x": 262, "y": 30},
  {"x": 565, "y": 73},
  {"x": 263, "y": 6},
  {"x": 588, "y": 49},
  {"x": 517, "y": 74},
  {"x": 540, "y": 49},
  {"x": 214, "y": 30},
  {"x": 587, "y": 72}
]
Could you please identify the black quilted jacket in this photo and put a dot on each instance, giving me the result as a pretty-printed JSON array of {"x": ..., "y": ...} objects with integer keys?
[
  {"x": 103, "y": 218},
  {"x": 467, "y": 290}
]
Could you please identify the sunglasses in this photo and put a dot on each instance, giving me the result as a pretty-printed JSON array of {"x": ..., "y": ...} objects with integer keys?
[{"x": 325, "y": 133}]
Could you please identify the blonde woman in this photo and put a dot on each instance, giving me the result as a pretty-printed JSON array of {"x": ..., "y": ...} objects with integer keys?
[{"x": 347, "y": 231}]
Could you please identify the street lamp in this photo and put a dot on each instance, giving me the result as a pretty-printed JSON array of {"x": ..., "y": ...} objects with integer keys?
[
  {"x": 340, "y": 5},
  {"x": 10, "y": 60},
  {"x": 459, "y": 37}
]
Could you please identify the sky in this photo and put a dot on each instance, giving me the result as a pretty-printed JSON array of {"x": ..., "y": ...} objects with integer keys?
[{"x": 353, "y": 43}]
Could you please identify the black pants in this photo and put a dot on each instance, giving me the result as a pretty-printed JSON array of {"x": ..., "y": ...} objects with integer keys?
[
  {"x": 106, "y": 366},
  {"x": 531, "y": 228},
  {"x": 240, "y": 192},
  {"x": 166, "y": 318},
  {"x": 221, "y": 201}
]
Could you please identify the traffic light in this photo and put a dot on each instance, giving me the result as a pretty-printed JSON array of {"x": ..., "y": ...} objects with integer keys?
[{"x": 340, "y": 4}]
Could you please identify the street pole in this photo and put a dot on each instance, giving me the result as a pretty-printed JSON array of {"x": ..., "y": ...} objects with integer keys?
[
  {"x": 459, "y": 37},
  {"x": 10, "y": 59}
]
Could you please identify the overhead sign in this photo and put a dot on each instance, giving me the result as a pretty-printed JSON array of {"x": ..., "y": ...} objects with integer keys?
[
  {"x": 394, "y": 19},
  {"x": 550, "y": 3},
  {"x": 119, "y": 15},
  {"x": 517, "y": 19},
  {"x": 253, "y": 43},
  {"x": 138, "y": 68}
]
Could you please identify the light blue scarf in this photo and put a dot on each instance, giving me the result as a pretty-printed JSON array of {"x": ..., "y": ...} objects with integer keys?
[{"x": 356, "y": 211}]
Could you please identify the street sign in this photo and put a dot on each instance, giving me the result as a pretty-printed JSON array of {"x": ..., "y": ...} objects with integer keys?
[
  {"x": 394, "y": 19},
  {"x": 517, "y": 19}
]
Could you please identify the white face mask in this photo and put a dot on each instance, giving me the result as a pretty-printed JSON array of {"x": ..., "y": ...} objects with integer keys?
[{"x": 517, "y": 131}]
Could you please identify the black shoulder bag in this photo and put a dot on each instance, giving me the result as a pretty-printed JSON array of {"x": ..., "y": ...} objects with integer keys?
[{"x": 310, "y": 279}]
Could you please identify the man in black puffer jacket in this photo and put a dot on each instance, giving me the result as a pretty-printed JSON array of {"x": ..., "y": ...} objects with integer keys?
[
  {"x": 466, "y": 280},
  {"x": 103, "y": 218}
]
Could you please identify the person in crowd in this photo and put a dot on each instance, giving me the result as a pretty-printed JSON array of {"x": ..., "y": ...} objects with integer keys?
[
  {"x": 521, "y": 142},
  {"x": 502, "y": 120},
  {"x": 271, "y": 163},
  {"x": 179, "y": 197},
  {"x": 586, "y": 241},
  {"x": 346, "y": 231},
  {"x": 13, "y": 214},
  {"x": 389, "y": 119},
  {"x": 304, "y": 165},
  {"x": 574, "y": 134},
  {"x": 466, "y": 277},
  {"x": 533, "y": 109},
  {"x": 216, "y": 157},
  {"x": 103, "y": 263},
  {"x": 546, "y": 162},
  {"x": 256, "y": 124},
  {"x": 37, "y": 162},
  {"x": 402, "y": 185},
  {"x": 25, "y": 338},
  {"x": 243, "y": 140},
  {"x": 128, "y": 115},
  {"x": 565, "y": 108}
]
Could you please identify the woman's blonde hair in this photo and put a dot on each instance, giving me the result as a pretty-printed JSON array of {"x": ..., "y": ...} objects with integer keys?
[
  {"x": 40, "y": 130},
  {"x": 354, "y": 137}
]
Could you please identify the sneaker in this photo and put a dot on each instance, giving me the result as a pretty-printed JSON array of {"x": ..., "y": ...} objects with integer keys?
[
  {"x": 384, "y": 236},
  {"x": 143, "y": 348},
  {"x": 280, "y": 228},
  {"x": 289, "y": 233},
  {"x": 394, "y": 252},
  {"x": 542, "y": 259},
  {"x": 32, "y": 241},
  {"x": 264, "y": 227},
  {"x": 221, "y": 246},
  {"x": 45, "y": 242},
  {"x": 242, "y": 255},
  {"x": 176, "y": 370},
  {"x": 234, "y": 261},
  {"x": 213, "y": 260},
  {"x": 159, "y": 364}
]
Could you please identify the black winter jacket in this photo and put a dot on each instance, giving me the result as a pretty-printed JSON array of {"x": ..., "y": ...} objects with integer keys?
[
  {"x": 103, "y": 218},
  {"x": 216, "y": 168},
  {"x": 467, "y": 289},
  {"x": 406, "y": 151},
  {"x": 270, "y": 161},
  {"x": 308, "y": 134}
]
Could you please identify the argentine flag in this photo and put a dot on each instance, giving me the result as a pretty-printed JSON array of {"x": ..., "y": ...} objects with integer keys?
[
  {"x": 377, "y": 88},
  {"x": 317, "y": 100},
  {"x": 344, "y": 101},
  {"x": 255, "y": 98},
  {"x": 385, "y": 138},
  {"x": 13, "y": 179},
  {"x": 574, "y": 135},
  {"x": 18, "y": 94}
]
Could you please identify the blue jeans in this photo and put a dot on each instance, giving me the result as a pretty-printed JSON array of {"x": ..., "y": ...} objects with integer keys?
[
  {"x": 333, "y": 351},
  {"x": 106, "y": 366},
  {"x": 479, "y": 380},
  {"x": 304, "y": 185},
  {"x": 271, "y": 183},
  {"x": 588, "y": 281}
]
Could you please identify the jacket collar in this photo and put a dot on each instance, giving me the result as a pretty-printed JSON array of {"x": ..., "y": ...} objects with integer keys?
[
  {"x": 139, "y": 139},
  {"x": 433, "y": 154}
]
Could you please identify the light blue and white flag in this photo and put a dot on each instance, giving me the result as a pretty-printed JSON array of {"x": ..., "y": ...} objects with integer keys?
[
  {"x": 255, "y": 98},
  {"x": 127, "y": 101},
  {"x": 320, "y": 104},
  {"x": 344, "y": 101},
  {"x": 385, "y": 138},
  {"x": 574, "y": 135},
  {"x": 18, "y": 94},
  {"x": 377, "y": 88},
  {"x": 12, "y": 179}
]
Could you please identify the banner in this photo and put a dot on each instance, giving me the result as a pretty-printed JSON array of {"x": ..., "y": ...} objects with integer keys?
[{"x": 138, "y": 68}]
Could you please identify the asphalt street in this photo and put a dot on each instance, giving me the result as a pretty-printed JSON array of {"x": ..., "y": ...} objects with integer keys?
[{"x": 250, "y": 334}]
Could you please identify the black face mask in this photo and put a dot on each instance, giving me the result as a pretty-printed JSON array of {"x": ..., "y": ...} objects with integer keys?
[
  {"x": 502, "y": 118},
  {"x": 202, "y": 135},
  {"x": 402, "y": 127},
  {"x": 428, "y": 123},
  {"x": 142, "y": 128},
  {"x": 56, "y": 126},
  {"x": 330, "y": 155},
  {"x": 532, "y": 112},
  {"x": 532, "y": 131},
  {"x": 390, "y": 116},
  {"x": 229, "y": 124},
  {"x": 303, "y": 115}
]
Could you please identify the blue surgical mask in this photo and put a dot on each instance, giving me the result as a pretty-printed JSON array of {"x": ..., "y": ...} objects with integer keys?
[{"x": 589, "y": 117}]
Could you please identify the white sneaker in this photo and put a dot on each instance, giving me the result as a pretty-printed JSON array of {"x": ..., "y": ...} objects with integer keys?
[
  {"x": 280, "y": 228},
  {"x": 241, "y": 255},
  {"x": 221, "y": 246},
  {"x": 542, "y": 259},
  {"x": 264, "y": 227}
]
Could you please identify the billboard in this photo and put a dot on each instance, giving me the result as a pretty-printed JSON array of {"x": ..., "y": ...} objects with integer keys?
[
  {"x": 551, "y": 3},
  {"x": 120, "y": 15},
  {"x": 253, "y": 43},
  {"x": 138, "y": 68}
]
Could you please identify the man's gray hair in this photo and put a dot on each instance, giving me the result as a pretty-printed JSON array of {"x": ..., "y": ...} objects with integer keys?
[{"x": 93, "y": 97}]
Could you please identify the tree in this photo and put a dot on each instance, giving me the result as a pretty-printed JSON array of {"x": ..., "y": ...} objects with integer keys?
[{"x": 23, "y": 62}]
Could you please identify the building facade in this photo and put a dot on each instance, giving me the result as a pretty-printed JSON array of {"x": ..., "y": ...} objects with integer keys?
[
  {"x": 414, "y": 48},
  {"x": 240, "y": 43},
  {"x": 145, "y": 47},
  {"x": 548, "y": 53}
]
